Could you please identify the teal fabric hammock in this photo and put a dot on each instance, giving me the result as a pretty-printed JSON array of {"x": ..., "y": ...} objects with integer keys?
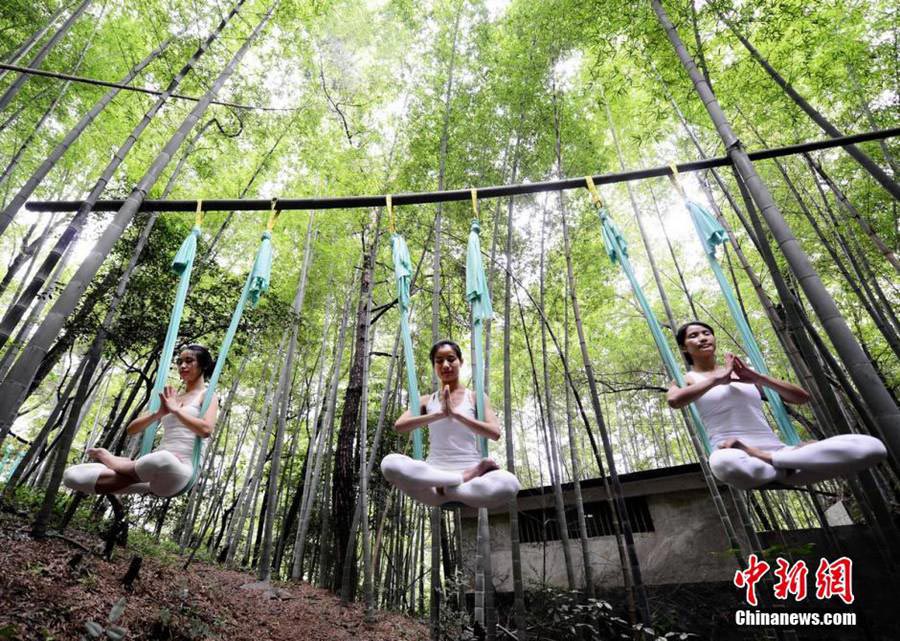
[
  {"x": 617, "y": 250},
  {"x": 480, "y": 299},
  {"x": 403, "y": 273},
  {"x": 13, "y": 461},
  {"x": 255, "y": 286},
  {"x": 711, "y": 234},
  {"x": 182, "y": 264}
]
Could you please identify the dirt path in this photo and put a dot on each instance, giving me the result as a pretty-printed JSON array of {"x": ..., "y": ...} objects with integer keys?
[{"x": 49, "y": 590}]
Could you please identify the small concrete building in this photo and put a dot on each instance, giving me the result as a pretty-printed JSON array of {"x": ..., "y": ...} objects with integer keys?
[
  {"x": 686, "y": 561},
  {"x": 677, "y": 532}
]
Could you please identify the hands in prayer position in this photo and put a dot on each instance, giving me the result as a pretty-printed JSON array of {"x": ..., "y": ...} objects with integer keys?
[
  {"x": 736, "y": 370},
  {"x": 447, "y": 407},
  {"x": 168, "y": 401}
]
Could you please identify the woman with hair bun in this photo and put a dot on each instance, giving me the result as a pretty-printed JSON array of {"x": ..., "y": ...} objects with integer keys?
[
  {"x": 168, "y": 469},
  {"x": 454, "y": 470},
  {"x": 747, "y": 453}
]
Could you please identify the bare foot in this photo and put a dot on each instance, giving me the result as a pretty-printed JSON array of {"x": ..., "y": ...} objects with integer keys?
[
  {"x": 100, "y": 454},
  {"x": 119, "y": 464},
  {"x": 755, "y": 452},
  {"x": 484, "y": 466}
]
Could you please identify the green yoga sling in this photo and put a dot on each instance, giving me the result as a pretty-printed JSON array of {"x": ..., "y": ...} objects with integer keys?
[{"x": 255, "y": 286}]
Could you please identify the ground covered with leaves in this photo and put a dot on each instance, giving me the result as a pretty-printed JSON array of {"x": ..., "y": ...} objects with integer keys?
[{"x": 54, "y": 590}]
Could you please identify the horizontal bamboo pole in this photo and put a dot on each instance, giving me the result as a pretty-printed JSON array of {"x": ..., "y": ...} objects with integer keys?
[{"x": 421, "y": 198}]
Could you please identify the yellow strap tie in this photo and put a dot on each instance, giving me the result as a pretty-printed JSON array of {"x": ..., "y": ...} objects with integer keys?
[
  {"x": 592, "y": 188},
  {"x": 673, "y": 177},
  {"x": 390, "y": 210},
  {"x": 475, "y": 203},
  {"x": 198, "y": 215},
  {"x": 273, "y": 215}
]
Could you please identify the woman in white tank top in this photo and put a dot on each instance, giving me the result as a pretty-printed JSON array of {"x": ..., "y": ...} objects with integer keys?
[
  {"x": 166, "y": 470},
  {"x": 748, "y": 454},
  {"x": 454, "y": 470}
]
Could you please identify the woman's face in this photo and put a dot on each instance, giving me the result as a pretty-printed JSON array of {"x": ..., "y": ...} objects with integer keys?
[
  {"x": 188, "y": 366},
  {"x": 699, "y": 341},
  {"x": 446, "y": 364}
]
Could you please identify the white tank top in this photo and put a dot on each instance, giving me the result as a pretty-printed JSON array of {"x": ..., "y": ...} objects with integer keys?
[
  {"x": 452, "y": 445},
  {"x": 179, "y": 439},
  {"x": 734, "y": 411}
]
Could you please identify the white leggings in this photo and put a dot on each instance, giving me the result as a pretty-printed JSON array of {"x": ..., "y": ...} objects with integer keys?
[
  {"x": 419, "y": 480},
  {"x": 162, "y": 473},
  {"x": 840, "y": 455}
]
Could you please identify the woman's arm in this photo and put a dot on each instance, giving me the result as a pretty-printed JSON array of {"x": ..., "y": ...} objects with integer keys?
[
  {"x": 489, "y": 428},
  {"x": 141, "y": 423},
  {"x": 202, "y": 426},
  {"x": 408, "y": 422},
  {"x": 789, "y": 392},
  {"x": 678, "y": 397}
]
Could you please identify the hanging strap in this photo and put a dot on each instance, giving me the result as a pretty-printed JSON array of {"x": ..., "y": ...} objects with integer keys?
[
  {"x": 711, "y": 235},
  {"x": 403, "y": 273},
  {"x": 479, "y": 297},
  {"x": 617, "y": 250},
  {"x": 256, "y": 284},
  {"x": 182, "y": 264}
]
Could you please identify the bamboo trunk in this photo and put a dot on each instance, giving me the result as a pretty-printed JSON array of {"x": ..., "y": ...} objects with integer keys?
[
  {"x": 864, "y": 376},
  {"x": 282, "y": 403},
  {"x": 41, "y": 521},
  {"x": 631, "y": 572},
  {"x": 858, "y": 154},
  {"x": 90, "y": 266},
  {"x": 376, "y": 440},
  {"x": 343, "y": 476},
  {"x": 670, "y": 317},
  {"x": 16, "y": 56},
  {"x": 236, "y": 525},
  {"x": 14, "y": 388},
  {"x": 556, "y": 466},
  {"x": 13, "y": 90},
  {"x": 28, "y": 253},
  {"x": 860, "y": 284},
  {"x": 37, "y": 442},
  {"x": 33, "y": 131},
  {"x": 41, "y": 172},
  {"x": 434, "y": 612},
  {"x": 324, "y": 439},
  {"x": 854, "y": 213},
  {"x": 870, "y": 117}
]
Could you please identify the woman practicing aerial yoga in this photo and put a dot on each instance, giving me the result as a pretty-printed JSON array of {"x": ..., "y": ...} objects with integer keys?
[
  {"x": 167, "y": 470},
  {"x": 748, "y": 454},
  {"x": 454, "y": 470}
]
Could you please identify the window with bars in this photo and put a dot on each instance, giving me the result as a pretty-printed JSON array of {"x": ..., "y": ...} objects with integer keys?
[{"x": 540, "y": 525}]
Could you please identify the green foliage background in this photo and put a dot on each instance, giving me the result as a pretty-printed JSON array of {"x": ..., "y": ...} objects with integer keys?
[{"x": 349, "y": 98}]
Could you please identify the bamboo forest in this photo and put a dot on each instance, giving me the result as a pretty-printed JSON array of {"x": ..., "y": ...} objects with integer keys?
[{"x": 477, "y": 319}]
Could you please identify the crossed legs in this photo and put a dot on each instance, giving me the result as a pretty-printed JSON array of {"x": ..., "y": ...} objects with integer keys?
[
  {"x": 160, "y": 473},
  {"x": 746, "y": 467},
  {"x": 480, "y": 486}
]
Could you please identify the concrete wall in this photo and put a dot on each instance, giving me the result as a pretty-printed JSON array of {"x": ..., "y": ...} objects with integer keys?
[{"x": 688, "y": 544}]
